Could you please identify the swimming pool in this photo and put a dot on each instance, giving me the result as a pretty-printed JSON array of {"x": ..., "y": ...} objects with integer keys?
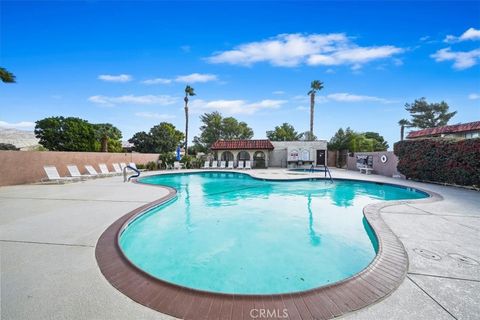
[{"x": 231, "y": 233}]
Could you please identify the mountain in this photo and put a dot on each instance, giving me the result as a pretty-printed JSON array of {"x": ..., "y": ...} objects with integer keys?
[{"x": 25, "y": 140}]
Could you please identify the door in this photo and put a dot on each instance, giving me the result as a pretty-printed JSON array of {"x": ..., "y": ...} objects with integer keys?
[{"x": 320, "y": 157}]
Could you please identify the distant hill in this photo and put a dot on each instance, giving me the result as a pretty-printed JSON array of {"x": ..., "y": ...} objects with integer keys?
[{"x": 25, "y": 140}]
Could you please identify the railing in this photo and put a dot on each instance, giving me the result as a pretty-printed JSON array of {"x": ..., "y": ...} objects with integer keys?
[{"x": 136, "y": 175}]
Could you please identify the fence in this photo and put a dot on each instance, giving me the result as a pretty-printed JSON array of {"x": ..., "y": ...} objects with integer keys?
[{"x": 20, "y": 167}]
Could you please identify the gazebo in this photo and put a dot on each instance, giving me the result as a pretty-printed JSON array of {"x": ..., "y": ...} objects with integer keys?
[{"x": 243, "y": 150}]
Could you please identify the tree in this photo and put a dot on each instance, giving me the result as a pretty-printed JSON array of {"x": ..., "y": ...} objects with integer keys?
[
  {"x": 315, "y": 86},
  {"x": 403, "y": 123},
  {"x": 65, "y": 134},
  {"x": 428, "y": 115},
  {"x": 109, "y": 137},
  {"x": 379, "y": 143},
  {"x": 189, "y": 92},
  {"x": 285, "y": 132},
  {"x": 216, "y": 127},
  {"x": 6, "y": 76},
  {"x": 357, "y": 141},
  {"x": 161, "y": 138},
  {"x": 307, "y": 136},
  {"x": 142, "y": 142},
  {"x": 8, "y": 146},
  {"x": 341, "y": 140}
]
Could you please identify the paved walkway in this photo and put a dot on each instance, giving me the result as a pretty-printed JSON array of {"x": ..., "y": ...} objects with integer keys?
[{"x": 48, "y": 235}]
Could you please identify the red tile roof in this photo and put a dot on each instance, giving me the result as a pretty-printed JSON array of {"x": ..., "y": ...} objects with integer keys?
[
  {"x": 242, "y": 145},
  {"x": 456, "y": 128}
]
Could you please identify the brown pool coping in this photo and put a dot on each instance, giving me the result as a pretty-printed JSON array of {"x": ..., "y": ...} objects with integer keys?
[{"x": 378, "y": 280}]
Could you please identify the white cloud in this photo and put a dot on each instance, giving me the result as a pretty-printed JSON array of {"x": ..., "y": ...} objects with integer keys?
[
  {"x": 279, "y": 92},
  {"x": 153, "y": 115},
  {"x": 348, "y": 97},
  {"x": 291, "y": 50},
  {"x": 162, "y": 100},
  {"x": 186, "y": 48},
  {"x": 461, "y": 59},
  {"x": 157, "y": 81},
  {"x": 196, "y": 77},
  {"x": 470, "y": 34},
  {"x": 235, "y": 106},
  {"x": 17, "y": 125},
  {"x": 302, "y": 108},
  {"x": 118, "y": 78},
  {"x": 474, "y": 96}
]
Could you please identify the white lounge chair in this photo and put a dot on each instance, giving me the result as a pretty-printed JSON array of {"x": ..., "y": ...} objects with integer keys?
[
  {"x": 206, "y": 165},
  {"x": 91, "y": 171},
  {"x": 75, "y": 173},
  {"x": 104, "y": 170},
  {"x": 123, "y": 165},
  {"x": 248, "y": 164},
  {"x": 133, "y": 165},
  {"x": 53, "y": 176},
  {"x": 223, "y": 164},
  {"x": 216, "y": 164},
  {"x": 117, "y": 168},
  {"x": 176, "y": 165},
  {"x": 230, "y": 164},
  {"x": 240, "y": 165}
]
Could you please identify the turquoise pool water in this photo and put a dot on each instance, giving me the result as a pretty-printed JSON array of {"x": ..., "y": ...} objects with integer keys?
[{"x": 230, "y": 233}]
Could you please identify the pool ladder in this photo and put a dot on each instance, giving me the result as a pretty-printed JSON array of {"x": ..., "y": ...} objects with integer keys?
[{"x": 326, "y": 170}]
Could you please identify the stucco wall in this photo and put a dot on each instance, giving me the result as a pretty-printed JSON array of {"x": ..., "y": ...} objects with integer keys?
[
  {"x": 20, "y": 167},
  {"x": 278, "y": 156},
  {"x": 385, "y": 169}
]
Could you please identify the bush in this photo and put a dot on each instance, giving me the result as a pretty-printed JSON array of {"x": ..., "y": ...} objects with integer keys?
[
  {"x": 187, "y": 161},
  {"x": 140, "y": 166},
  {"x": 8, "y": 146},
  {"x": 167, "y": 159},
  {"x": 151, "y": 165},
  {"x": 440, "y": 160}
]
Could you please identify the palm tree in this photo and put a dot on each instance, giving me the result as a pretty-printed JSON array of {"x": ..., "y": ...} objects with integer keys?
[
  {"x": 189, "y": 92},
  {"x": 6, "y": 76},
  {"x": 315, "y": 86},
  {"x": 403, "y": 123}
]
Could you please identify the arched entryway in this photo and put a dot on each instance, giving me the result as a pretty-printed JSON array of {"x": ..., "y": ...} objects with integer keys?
[
  {"x": 243, "y": 155},
  {"x": 227, "y": 156},
  {"x": 259, "y": 159}
]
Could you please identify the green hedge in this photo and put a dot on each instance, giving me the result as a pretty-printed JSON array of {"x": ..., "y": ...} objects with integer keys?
[{"x": 440, "y": 160}]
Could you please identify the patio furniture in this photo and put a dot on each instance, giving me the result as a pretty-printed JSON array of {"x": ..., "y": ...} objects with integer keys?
[
  {"x": 91, "y": 171},
  {"x": 248, "y": 164},
  {"x": 104, "y": 170},
  {"x": 223, "y": 165},
  {"x": 117, "y": 168},
  {"x": 206, "y": 165},
  {"x": 133, "y": 165},
  {"x": 176, "y": 165},
  {"x": 75, "y": 173},
  {"x": 230, "y": 165},
  {"x": 53, "y": 176},
  {"x": 366, "y": 170},
  {"x": 240, "y": 165}
]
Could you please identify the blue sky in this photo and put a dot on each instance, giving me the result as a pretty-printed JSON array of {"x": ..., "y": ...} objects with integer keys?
[{"x": 127, "y": 63}]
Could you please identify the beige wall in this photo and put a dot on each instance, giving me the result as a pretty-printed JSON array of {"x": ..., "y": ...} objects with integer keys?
[
  {"x": 20, "y": 167},
  {"x": 385, "y": 169}
]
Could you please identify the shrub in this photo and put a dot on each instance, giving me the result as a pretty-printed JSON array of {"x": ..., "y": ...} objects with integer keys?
[
  {"x": 151, "y": 165},
  {"x": 187, "y": 161},
  {"x": 440, "y": 160},
  {"x": 8, "y": 146},
  {"x": 140, "y": 166},
  {"x": 167, "y": 159}
]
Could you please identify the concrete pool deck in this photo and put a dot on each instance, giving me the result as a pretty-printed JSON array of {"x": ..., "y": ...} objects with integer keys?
[{"x": 48, "y": 235}]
